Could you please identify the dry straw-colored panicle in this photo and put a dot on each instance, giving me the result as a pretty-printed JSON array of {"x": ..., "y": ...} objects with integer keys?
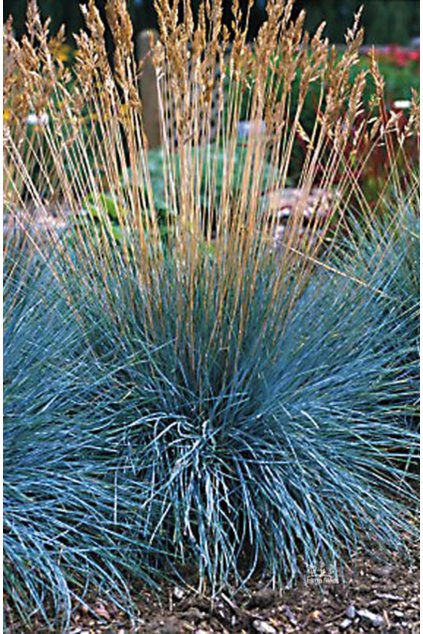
[
  {"x": 95, "y": 143},
  {"x": 412, "y": 127}
]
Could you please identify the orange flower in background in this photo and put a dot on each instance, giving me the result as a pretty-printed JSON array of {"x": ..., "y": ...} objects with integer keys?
[{"x": 62, "y": 52}]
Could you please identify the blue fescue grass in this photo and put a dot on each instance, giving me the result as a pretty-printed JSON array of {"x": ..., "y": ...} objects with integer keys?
[
  {"x": 128, "y": 437},
  {"x": 275, "y": 452},
  {"x": 283, "y": 462},
  {"x": 196, "y": 402},
  {"x": 384, "y": 254},
  {"x": 65, "y": 533},
  {"x": 385, "y": 250},
  {"x": 262, "y": 434}
]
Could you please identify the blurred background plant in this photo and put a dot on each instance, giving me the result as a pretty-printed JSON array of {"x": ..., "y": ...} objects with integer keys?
[
  {"x": 399, "y": 71},
  {"x": 385, "y": 21}
]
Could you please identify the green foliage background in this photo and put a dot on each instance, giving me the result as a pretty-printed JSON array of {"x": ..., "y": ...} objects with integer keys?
[{"x": 385, "y": 21}]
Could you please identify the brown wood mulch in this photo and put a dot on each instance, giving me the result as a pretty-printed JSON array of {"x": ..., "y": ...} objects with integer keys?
[{"x": 374, "y": 596}]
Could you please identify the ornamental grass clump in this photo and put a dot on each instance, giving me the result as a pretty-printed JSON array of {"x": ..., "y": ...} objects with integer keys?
[{"x": 241, "y": 423}]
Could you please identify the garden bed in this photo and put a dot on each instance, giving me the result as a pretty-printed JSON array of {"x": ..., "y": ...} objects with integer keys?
[{"x": 376, "y": 595}]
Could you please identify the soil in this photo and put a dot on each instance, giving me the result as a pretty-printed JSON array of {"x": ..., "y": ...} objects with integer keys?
[{"x": 374, "y": 596}]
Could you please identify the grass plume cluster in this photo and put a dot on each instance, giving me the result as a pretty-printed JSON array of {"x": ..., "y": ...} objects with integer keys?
[{"x": 185, "y": 397}]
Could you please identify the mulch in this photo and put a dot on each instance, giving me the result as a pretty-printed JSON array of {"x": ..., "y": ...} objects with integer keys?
[{"x": 374, "y": 596}]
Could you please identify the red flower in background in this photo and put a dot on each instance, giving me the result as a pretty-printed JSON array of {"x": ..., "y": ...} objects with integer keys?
[
  {"x": 414, "y": 56},
  {"x": 401, "y": 56}
]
